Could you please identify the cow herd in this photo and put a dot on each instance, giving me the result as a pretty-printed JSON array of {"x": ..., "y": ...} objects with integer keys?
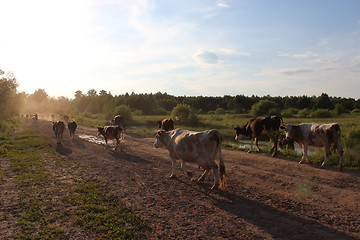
[{"x": 203, "y": 147}]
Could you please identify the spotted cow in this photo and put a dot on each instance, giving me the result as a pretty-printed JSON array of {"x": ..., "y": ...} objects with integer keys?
[
  {"x": 194, "y": 147},
  {"x": 318, "y": 135}
]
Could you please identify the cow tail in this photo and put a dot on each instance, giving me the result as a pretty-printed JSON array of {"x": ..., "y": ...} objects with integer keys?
[
  {"x": 222, "y": 172},
  {"x": 215, "y": 135}
]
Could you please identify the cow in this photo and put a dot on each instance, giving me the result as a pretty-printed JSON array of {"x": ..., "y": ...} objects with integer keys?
[
  {"x": 194, "y": 147},
  {"x": 111, "y": 132},
  {"x": 66, "y": 118},
  {"x": 284, "y": 143},
  {"x": 72, "y": 128},
  {"x": 166, "y": 124},
  {"x": 318, "y": 135},
  {"x": 258, "y": 127},
  {"x": 58, "y": 128},
  {"x": 119, "y": 120}
]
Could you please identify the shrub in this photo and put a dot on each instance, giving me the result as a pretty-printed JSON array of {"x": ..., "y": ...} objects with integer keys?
[
  {"x": 291, "y": 112},
  {"x": 303, "y": 113},
  {"x": 264, "y": 107},
  {"x": 321, "y": 113},
  {"x": 184, "y": 114},
  {"x": 124, "y": 111},
  {"x": 219, "y": 111}
]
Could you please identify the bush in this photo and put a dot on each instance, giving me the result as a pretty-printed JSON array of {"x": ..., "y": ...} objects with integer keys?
[
  {"x": 303, "y": 113},
  {"x": 291, "y": 112},
  {"x": 185, "y": 115},
  {"x": 219, "y": 111},
  {"x": 321, "y": 113},
  {"x": 124, "y": 111},
  {"x": 264, "y": 107},
  {"x": 356, "y": 111}
]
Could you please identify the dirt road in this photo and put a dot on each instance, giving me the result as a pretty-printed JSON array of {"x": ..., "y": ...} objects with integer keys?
[{"x": 264, "y": 197}]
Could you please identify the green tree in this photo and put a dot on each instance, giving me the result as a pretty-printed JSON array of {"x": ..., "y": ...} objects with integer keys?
[
  {"x": 9, "y": 101},
  {"x": 184, "y": 114},
  {"x": 264, "y": 107}
]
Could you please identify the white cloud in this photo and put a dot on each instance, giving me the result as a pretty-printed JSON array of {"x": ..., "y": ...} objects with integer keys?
[
  {"x": 207, "y": 58},
  {"x": 301, "y": 55},
  {"x": 221, "y": 3},
  {"x": 229, "y": 51}
]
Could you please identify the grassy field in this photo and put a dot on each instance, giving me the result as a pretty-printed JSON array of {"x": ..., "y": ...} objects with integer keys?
[{"x": 225, "y": 124}]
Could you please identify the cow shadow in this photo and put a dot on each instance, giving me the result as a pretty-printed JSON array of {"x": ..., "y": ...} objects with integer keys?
[
  {"x": 128, "y": 157},
  {"x": 279, "y": 224},
  {"x": 62, "y": 150}
]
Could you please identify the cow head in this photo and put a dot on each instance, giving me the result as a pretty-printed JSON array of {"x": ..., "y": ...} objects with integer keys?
[
  {"x": 100, "y": 131},
  {"x": 161, "y": 139},
  {"x": 289, "y": 131},
  {"x": 239, "y": 131}
]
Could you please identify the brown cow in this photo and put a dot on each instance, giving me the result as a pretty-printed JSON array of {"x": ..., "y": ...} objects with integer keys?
[
  {"x": 259, "y": 126},
  {"x": 318, "y": 135},
  {"x": 166, "y": 124},
  {"x": 72, "y": 128},
  {"x": 58, "y": 128},
  {"x": 111, "y": 132},
  {"x": 196, "y": 147},
  {"x": 119, "y": 121}
]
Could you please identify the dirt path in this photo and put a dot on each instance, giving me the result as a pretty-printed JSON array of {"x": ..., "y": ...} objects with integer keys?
[{"x": 264, "y": 198}]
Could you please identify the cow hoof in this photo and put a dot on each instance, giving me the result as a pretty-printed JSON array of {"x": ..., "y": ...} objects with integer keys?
[
  {"x": 189, "y": 174},
  {"x": 172, "y": 176},
  {"x": 215, "y": 186}
]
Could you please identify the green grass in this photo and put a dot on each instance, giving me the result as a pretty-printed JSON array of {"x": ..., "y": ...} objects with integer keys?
[{"x": 45, "y": 203}]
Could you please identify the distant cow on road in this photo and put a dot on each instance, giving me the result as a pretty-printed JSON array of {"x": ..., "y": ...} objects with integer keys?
[
  {"x": 259, "y": 126},
  {"x": 111, "y": 132},
  {"x": 166, "y": 124},
  {"x": 72, "y": 128},
  {"x": 196, "y": 147},
  {"x": 58, "y": 128},
  {"x": 318, "y": 135}
]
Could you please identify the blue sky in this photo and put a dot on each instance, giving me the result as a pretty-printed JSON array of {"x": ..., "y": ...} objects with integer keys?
[{"x": 183, "y": 47}]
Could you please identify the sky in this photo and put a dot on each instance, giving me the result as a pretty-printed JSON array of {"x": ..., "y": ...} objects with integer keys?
[{"x": 183, "y": 47}]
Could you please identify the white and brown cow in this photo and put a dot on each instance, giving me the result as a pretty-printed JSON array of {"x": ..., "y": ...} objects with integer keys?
[
  {"x": 195, "y": 147},
  {"x": 318, "y": 135},
  {"x": 111, "y": 132},
  {"x": 166, "y": 124},
  {"x": 119, "y": 120},
  {"x": 259, "y": 126},
  {"x": 58, "y": 128}
]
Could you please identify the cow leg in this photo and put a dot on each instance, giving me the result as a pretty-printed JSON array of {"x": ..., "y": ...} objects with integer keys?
[
  {"x": 304, "y": 156},
  {"x": 117, "y": 144},
  {"x": 214, "y": 167},
  {"x": 203, "y": 175},
  {"x": 257, "y": 144},
  {"x": 251, "y": 145},
  {"x": 274, "y": 148},
  {"x": 327, "y": 154},
  {"x": 188, "y": 173},
  {"x": 340, "y": 153},
  {"x": 172, "y": 168}
]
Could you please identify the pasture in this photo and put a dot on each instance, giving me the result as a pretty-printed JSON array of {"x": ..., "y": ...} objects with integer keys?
[{"x": 225, "y": 123}]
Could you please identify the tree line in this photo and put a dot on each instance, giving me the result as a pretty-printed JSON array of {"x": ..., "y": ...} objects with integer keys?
[{"x": 103, "y": 102}]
